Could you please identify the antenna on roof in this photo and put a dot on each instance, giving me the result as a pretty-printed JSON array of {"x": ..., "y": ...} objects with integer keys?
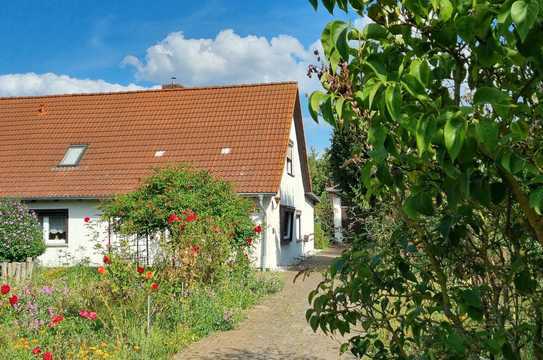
[{"x": 172, "y": 84}]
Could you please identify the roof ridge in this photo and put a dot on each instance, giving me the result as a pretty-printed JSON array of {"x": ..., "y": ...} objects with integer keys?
[{"x": 209, "y": 87}]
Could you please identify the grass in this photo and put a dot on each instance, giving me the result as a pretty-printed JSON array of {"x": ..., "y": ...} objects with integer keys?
[{"x": 120, "y": 329}]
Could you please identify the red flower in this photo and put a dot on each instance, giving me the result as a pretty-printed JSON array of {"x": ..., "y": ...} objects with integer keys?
[
  {"x": 258, "y": 229},
  {"x": 191, "y": 216},
  {"x": 55, "y": 320},
  {"x": 249, "y": 241},
  {"x": 148, "y": 275},
  {"x": 195, "y": 249},
  {"x": 4, "y": 289},
  {"x": 13, "y": 300},
  {"x": 87, "y": 219},
  {"x": 107, "y": 259},
  {"x": 48, "y": 356},
  {"x": 140, "y": 269},
  {"x": 101, "y": 270},
  {"x": 154, "y": 286},
  {"x": 89, "y": 315},
  {"x": 36, "y": 350},
  {"x": 173, "y": 218}
]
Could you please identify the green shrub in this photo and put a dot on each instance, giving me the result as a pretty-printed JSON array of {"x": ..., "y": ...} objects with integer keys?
[
  {"x": 20, "y": 232},
  {"x": 208, "y": 225},
  {"x": 324, "y": 222}
]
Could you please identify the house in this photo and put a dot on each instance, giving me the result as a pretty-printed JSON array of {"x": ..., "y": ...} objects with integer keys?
[{"x": 64, "y": 154}]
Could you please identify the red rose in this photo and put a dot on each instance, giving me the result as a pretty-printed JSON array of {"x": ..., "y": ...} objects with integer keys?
[
  {"x": 191, "y": 216},
  {"x": 173, "y": 218},
  {"x": 258, "y": 229},
  {"x": 14, "y": 300},
  {"x": 48, "y": 356},
  {"x": 107, "y": 259},
  {"x": 55, "y": 320},
  {"x": 4, "y": 289},
  {"x": 249, "y": 241},
  {"x": 101, "y": 270},
  {"x": 195, "y": 249},
  {"x": 140, "y": 269},
  {"x": 154, "y": 286},
  {"x": 87, "y": 219},
  {"x": 36, "y": 350}
]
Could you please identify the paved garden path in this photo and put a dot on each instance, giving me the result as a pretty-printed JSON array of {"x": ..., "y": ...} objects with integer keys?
[{"x": 276, "y": 329}]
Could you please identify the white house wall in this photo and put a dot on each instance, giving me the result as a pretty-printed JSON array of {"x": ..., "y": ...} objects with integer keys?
[
  {"x": 82, "y": 237},
  {"x": 292, "y": 194}
]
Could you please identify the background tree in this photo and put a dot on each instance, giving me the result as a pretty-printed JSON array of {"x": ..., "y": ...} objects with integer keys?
[{"x": 444, "y": 97}]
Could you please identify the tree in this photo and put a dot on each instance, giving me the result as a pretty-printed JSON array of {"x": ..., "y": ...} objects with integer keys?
[
  {"x": 447, "y": 97},
  {"x": 319, "y": 169}
]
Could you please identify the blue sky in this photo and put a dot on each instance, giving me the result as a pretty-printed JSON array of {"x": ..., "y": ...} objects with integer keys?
[{"x": 79, "y": 46}]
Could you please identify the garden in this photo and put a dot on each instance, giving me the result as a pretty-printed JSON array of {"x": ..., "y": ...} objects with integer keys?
[{"x": 201, "y": 282}]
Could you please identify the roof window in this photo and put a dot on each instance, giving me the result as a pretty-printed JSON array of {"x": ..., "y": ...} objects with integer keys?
[
  {"x": 226, "y": 151},
  {"x": 73, "y": 155}
]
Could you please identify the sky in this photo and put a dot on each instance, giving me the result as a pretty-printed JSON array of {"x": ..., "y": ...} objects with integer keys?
[{"x": 75, "y": 46}]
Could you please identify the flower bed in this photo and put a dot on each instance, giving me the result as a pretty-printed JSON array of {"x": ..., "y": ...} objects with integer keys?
[{"x": 82, "y": 313}]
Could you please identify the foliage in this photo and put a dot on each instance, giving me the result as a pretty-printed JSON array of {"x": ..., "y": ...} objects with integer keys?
[
  {"x": 445, "y": 97},
  {"x": 324, "y": 222},
  {"x": 206, "y": 226},
  {"x": 20, "y": 232},
  {"x": 319, "y": 169},
  {"x": 50, "y": 312}
]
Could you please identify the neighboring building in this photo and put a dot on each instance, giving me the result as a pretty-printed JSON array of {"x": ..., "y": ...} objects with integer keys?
[
  {"x": 339, "y": 212},
  {"x": 64, "y": 154}
]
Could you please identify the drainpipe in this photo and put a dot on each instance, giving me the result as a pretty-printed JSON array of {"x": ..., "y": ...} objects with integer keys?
[{"x": 263, "y": 255}]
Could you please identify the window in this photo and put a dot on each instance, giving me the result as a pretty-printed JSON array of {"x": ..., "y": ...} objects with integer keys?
[
  {"x": 54, "y": 224},
  {"x": 289, "y": 158},
  {"x": 287, "y": 224},
  {"x": 299, "y": 226},
  {"x": 73, "y": 155}
]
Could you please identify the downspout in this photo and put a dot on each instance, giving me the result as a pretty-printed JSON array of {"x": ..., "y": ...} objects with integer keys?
[{"x": 263, "y": 257}]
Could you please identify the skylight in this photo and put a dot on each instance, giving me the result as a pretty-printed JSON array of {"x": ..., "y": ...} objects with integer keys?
[{"x": 73, "y": 155}]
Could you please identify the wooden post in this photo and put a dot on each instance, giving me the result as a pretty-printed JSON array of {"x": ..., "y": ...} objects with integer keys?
[
  {"x": 5, "y": 270},
  {"x": 29, "y": 267}
]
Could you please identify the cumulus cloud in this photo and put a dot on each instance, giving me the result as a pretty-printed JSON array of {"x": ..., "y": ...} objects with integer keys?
[
  {"x": 228, "y": 58},
  {"x": 29, "y": 84}
]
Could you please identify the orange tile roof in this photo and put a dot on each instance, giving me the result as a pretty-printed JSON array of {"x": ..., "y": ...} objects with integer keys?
[{"x": 124, "y": 130}]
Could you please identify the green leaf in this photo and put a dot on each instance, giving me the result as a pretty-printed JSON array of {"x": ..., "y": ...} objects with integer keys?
[
  {"x": 342, "y": 43},
  {"x": 370, "y": 90},
  {"x": 374, "y": 31},
  {"x": 490, "y": 95},
  {"x": 419, "y": 204},
  {"x": 487, "y": 132},
  {"x": 330, "y": 36},
  {"x": 327, "y": 111},
  {"x": 454, "y": 134},
  {"x": 421, "y": 71},
  {"x": 378, "y": 68},
  {"x": 445, "y": 10},
  {"x": 426, "y": 128},
  {"x": 524, "y": 14},
  {"x": 314, "y": 3},
  {"x": 329, "y": 5},
  {"x": 536, "y": 200},
  {"x": 314, "y": 103},
  {"x": 524, "y": 282},
  {"x": 393, "y": 101}
]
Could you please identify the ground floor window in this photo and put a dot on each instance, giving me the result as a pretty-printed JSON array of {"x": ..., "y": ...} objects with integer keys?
[
  {"x": 54, "y": 224},
  {"x": 287, "y": 224}
]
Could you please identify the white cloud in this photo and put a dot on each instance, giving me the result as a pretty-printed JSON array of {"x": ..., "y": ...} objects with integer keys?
[
  {"x": 228, "y": 58},
  {"x": 29, "y": 84}
]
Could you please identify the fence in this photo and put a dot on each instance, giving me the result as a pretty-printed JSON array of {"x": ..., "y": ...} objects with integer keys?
[{"x": 17, "y": 271}]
